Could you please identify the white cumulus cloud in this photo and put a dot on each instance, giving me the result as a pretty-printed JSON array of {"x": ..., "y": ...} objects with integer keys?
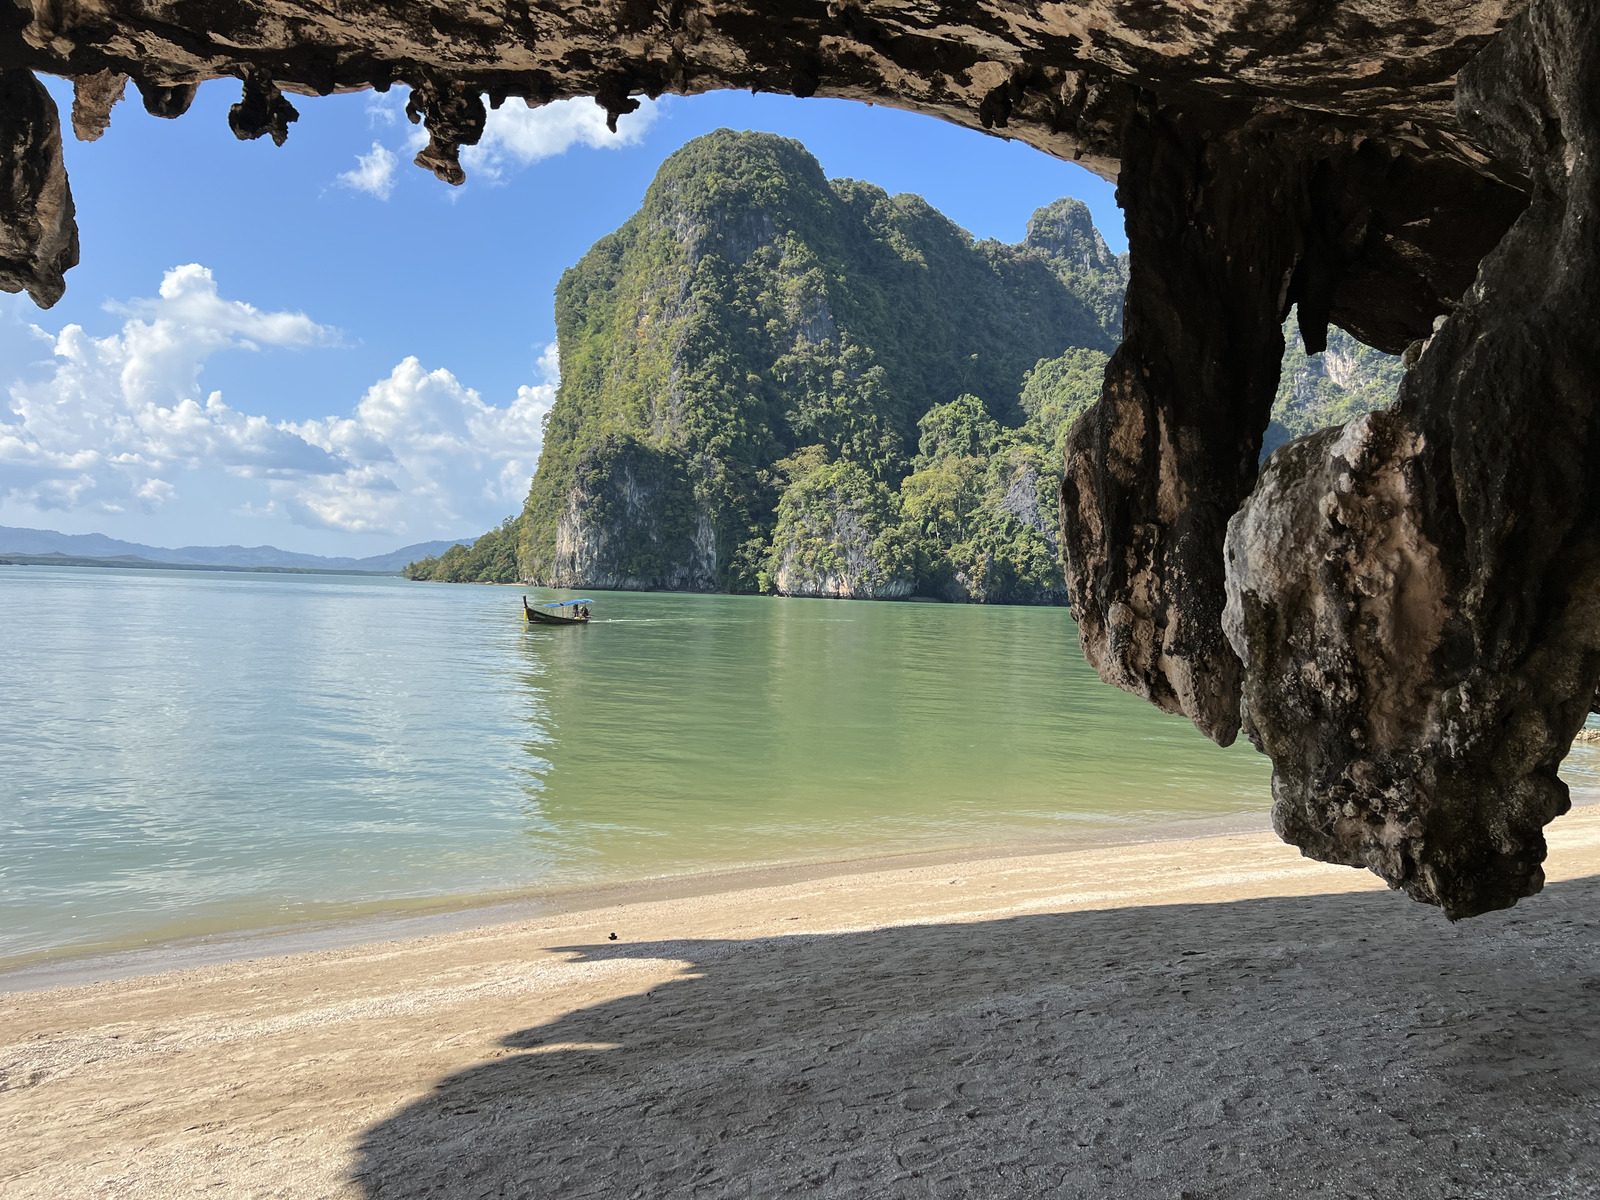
[
  {"x": 514, "y": 136},
  {"x": 373, "y": 173},
  {"x": 421, "y": 441},
  {"x": 519, "y": 135},
  {"x": 109, "y": 421}
]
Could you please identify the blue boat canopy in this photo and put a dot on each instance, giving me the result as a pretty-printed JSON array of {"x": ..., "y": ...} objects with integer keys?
[{"x": 564, "y": 603}]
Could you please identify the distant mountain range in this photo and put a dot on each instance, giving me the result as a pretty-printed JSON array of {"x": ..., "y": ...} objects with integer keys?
[{"x": 97, "y": 545}]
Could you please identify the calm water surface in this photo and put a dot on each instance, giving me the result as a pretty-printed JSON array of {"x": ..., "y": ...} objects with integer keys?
[{"x": 183, "y": 752}]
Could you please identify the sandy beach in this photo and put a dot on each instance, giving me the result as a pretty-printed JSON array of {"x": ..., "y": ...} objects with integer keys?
[{"x": 1211, "y": 1017}]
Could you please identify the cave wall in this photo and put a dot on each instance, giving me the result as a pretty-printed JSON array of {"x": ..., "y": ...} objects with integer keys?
[
  {"x": 1398, "y": 612},
  {"x": 1416, "y": 596},
  {"x": 1227, "y": 229},
  {"x": 38, "y": 229},
  {"x": 1405, "y": 615}
]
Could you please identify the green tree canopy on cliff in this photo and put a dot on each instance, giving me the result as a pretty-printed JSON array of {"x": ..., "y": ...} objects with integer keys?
[
  {"x": 1057, "y": 391},
  {"x": 753, "y": 307},
  {"x": 761, "y": 357}
]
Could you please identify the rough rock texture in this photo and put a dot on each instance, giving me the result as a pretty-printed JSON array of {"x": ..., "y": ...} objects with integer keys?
[
  {"x": 1062, "y": 77},
  {"x": 1416, "y": 597},
  {"x": 1225, "y": 232},
  {"x": 93, "y": 98},
  {"x": 1029, "y": 495},
  {"x": 632, "y": 523},
  {"x": 1159, "y": 464},
  {"x": 1316, "y": 392},
  {"x": 38, "y": 236},
  {"x": 838, "y": 554},
  {"x": 261, "y": 109}
]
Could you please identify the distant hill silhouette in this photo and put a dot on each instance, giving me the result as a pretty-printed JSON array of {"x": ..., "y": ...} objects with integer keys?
[{"x": 98, "y": 545}]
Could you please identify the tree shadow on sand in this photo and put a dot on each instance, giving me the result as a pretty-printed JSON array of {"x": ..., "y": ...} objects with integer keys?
[{"x": 1348, "y": 1045}]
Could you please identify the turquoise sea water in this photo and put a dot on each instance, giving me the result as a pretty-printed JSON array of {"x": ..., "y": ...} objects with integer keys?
[{"x": 184, "y": 752}]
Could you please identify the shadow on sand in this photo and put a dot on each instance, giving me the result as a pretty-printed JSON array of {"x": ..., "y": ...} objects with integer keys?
[{"x": 1348, "y": 1045}]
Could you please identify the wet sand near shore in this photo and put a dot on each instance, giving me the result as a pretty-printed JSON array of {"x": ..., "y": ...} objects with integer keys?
[{"x": 1211, "y": 1017}]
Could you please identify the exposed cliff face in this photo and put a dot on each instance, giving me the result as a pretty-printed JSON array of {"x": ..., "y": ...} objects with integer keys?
[
  {"x": 632, "y": 522},
  {"x": 850, "y": 570},
  {"x": 1414, "y": 596},
  {"x": 1025, "y": 492},
  {"x": 753, "y": 309},
  {"x": 835, "y": 538}
]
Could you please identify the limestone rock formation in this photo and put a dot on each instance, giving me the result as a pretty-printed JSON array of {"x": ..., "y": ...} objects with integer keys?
[
  {"x": 1020, "y": 497},
  {"x": 1064, "y": 234},
  {"x": 1319, "y": 391},
  {"x": 632, "y": 523},
  {"x": 1416, "y": 597},
  {"x": 1227, "y": 230},
  {"x": 1063, "y": 77},
  {"x": 38, "y": 235},
  {"x": 758, "y": 322},
  {"x": 834, "y": 538}
]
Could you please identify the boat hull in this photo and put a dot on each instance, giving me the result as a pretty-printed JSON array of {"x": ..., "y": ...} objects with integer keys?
[{"x": 535, "y": 617}]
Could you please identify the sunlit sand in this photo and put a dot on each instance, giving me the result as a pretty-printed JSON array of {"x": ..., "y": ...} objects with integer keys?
[{"x": 1205, "y": 1017}]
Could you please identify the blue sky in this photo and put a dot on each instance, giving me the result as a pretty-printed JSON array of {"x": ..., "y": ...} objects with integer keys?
[{"x": 322, "y": 347}]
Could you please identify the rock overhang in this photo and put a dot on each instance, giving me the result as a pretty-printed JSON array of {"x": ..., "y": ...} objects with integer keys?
[
  {"x": 1066, "y": 78},
  {"x": 1055, "y": 75}
]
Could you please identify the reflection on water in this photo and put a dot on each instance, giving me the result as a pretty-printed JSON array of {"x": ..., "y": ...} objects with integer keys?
[
  {"x": 697, "y": 729},
  {"x": 185, "y": 751}
]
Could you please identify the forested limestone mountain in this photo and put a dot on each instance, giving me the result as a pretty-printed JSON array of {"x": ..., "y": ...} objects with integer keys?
[
  {"x": 771, "y": 381},
  {"x": 756, "y": 332}
]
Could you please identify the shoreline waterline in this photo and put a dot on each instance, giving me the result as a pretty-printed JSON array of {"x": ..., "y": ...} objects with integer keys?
[
  {"x": 1122, "y": 993},
  {"x": 405, "y": 919},
  {"x": 428, "y": 917},
  {"x": 244, "y": 751},
  {"x": 294, "y": 758}
]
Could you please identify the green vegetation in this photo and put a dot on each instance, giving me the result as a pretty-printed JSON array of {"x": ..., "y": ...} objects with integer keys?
[
  {"x": 838, "y": 530},
  {"x": 973, "y": 519},
  {"x": 774, "y": 381},
  {"x": 490, "y": 559},
  {"x": 1056, "y": 393},
  {"x": 1340, "y": 384},
  {"x": 751, "y": 310},
  {"x": 642, "y": 496}
]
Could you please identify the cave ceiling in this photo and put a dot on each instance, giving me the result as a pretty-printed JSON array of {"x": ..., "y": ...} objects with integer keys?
[
  {"x": 1058, "y": 76},
  {"x": 1063, "y": 77}
]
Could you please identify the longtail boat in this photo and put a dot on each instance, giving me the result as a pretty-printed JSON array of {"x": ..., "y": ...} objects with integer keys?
[{"x": 551, "y": 614}]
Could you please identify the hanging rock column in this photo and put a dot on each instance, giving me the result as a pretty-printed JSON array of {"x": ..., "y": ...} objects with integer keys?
[
  {"x": 38, "y": 229},
  {"x": 1155, "y": 469},
  {"x": 1416, "y": 597}
]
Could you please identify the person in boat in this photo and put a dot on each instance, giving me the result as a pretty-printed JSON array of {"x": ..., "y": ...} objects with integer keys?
[{"x": 583, "y": 611}]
